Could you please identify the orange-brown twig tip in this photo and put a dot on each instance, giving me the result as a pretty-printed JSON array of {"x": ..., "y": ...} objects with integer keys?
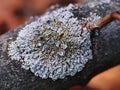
[{"x": 116, "y": 16}]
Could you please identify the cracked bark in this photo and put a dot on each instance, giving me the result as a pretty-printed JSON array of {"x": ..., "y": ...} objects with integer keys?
[{"x": 106, "y": 54}]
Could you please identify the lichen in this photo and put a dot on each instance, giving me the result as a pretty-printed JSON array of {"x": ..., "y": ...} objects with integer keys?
[
  {"x": 93, "y": 3},
  {"x": 54, "y": 46}
]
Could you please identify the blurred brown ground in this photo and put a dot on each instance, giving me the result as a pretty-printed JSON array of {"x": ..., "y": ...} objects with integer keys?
[
  {"x": 108, "y": 80},
  {"x": 15, "y": 12}
]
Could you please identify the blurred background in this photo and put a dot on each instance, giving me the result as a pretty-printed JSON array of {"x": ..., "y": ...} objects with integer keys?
[{"x": 15, "y": 12}]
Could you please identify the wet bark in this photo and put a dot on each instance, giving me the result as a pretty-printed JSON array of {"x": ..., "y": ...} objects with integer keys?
[{"x": 106, "y": 54}]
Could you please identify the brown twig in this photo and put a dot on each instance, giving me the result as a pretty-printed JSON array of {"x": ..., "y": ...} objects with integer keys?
[{"x": 105, "y": 20}]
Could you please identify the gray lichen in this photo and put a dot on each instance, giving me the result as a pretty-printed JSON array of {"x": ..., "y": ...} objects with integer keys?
[
  {"x": 54, "y": 46},
  {"x": 93, "y": 3}
]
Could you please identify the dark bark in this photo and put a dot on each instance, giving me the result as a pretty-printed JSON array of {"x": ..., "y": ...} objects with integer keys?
[{"x": 106, "y": 54}]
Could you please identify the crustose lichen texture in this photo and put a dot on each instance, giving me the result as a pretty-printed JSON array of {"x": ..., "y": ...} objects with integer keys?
[{"x": 54, "y": 46}]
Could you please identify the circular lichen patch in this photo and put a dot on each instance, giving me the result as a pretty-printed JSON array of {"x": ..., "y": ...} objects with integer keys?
[{"x": 54, "y": 46}]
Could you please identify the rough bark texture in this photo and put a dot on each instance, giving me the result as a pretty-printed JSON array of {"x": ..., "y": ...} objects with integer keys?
[{"x": 106, "y": 54}]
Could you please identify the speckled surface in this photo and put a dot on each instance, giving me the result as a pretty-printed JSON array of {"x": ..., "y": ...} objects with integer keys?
[
  {"x": 54, "y": 46},
  {"x": 106, "y": 54}
]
